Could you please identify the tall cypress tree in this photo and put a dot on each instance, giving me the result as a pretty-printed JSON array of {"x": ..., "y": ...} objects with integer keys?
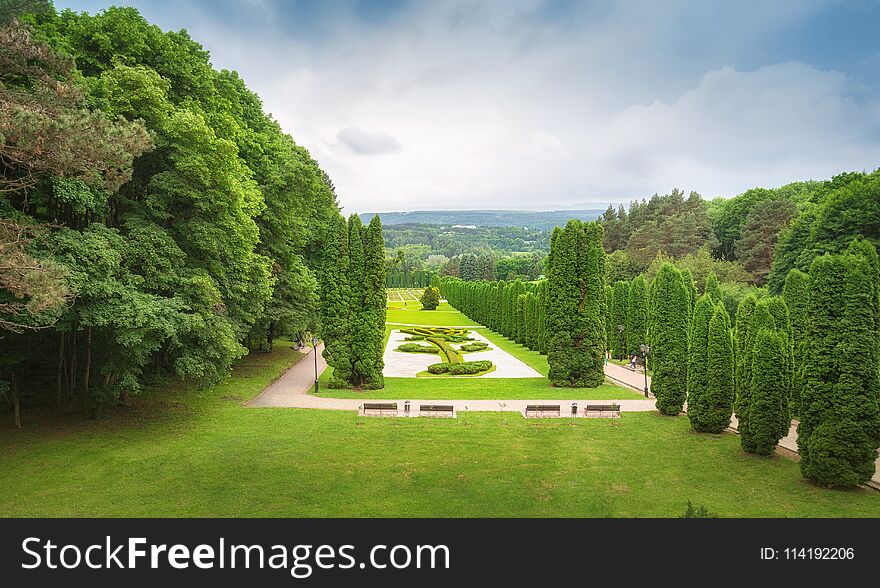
[
  {"x": 743, "y": 361},
  {"x": 358, "y": 327},
  {"x": 688, "y": 278},
  {"x": 796, "y": 295},
  {"x": 637, "y": 314},
  {"x": 575, "y": 305},
  {"x": 760, "y": 319},
  {"x": 839, "y": 431},
  {"x": 607, "y": 320},
  {"x": 374, "y": 309},
  {"x": 768, "y": 405},
  {"x": 619, "y": 297},
  {"x": 335, "y": 308},
  {"x": 669, "y": 339},
  {"x": 698, "y": 362},
  {"x": 717, "y": 407}
]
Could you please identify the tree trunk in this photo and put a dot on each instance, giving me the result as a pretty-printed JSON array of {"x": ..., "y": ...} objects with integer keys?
[
  {"x": 71, "y": 380},
  {"x": 87, "y": 395},
  {"x": 60, "y": 390},
  {"x": 13, "y": 387}
]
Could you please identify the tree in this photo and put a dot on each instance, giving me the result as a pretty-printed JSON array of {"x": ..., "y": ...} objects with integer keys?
[
  {"x": 711, "y": 288},
  {"x": 713, "y": 415},
  {"x": 637, "y": 314},
  {"x": 335, "y": 305},
  {"x": 796, "y": 295},
  {"x": 768, "y": 406},
  {"x": 575, "y": 306},
  {"x": 620, "y": 295},
  {"x": 368, "y": 370},
  {"x": 839, "y": 431},
  {"x": 760, "y": 319},
  {"x": 669, "y": 339},
  {"x": 430, "y": 298},
  {"x": 698, "y": 362},
  {"x": 759, "y": 234},
  {"x": 743, "y": 366}
]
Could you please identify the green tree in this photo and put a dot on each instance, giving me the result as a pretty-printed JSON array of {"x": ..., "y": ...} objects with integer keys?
[
  {"x": 715, "y": 410},
  {"x": 768, "y": 406},
  {"x": 430, "y": 298},
  {"x": 759, "y": 234},
  {"x": 698, "y": 362},
  {"x": 637, "y": 314},
  {"x": 620, "y": 299},
  {"x": 711, "y": 288},
  {"x": 761, "y": 318},
  {"x": 575, "y": 306},
  {"x": 796, "y": 295},
  {"x": 839, "y": 431},
  {"x": 669, "y": 339},
  {"x": 335, "y": 305}
]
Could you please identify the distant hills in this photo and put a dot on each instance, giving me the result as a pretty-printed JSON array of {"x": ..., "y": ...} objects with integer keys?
[{"x": 485, "y": 218}]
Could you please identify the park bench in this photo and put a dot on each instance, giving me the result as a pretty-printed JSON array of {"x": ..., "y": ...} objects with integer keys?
[
  {"x": 601, "y": 409},
  {"x": 437, "y": 410},
  {"x": 380, "y": 409},
  {"x": 542, "y": 410}
]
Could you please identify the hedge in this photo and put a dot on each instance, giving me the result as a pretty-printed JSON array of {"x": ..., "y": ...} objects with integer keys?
[{"x": 416, "y": 348}]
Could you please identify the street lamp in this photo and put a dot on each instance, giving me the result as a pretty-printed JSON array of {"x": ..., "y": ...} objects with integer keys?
[
  {"x": 645, "y": 349},
  {"x": 621, "y": 329},
  {"x": 315, "y": 349}
]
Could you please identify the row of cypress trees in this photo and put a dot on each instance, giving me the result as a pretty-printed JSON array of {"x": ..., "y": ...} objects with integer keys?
[
  {"x": 514, "y": 309},
  {"x": 353, "y": 300}
]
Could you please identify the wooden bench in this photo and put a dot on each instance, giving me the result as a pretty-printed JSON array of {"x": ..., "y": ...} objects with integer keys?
[
  {"x": 437, "y": 410},
  {"x": 601, "y": 409},
  {"x": 542, "y": 410},
  {"x": 380, "y": 409}
]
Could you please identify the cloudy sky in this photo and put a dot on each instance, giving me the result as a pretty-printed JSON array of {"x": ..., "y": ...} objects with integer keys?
[{"x": 541, "y": 104}]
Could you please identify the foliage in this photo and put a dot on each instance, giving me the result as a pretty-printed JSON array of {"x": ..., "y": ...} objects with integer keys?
[
  {"x": 713, "y": 415},
  {"x": 416, "y": 348},
  {"x": 637, "y": 314},
  {"x": 575, "y": 306},
  {"x": 768, "y": 407},
  {"x": 698, "y": 362},
  {"x": 839, "y": 431},
  {"x": 796, "y": 294},
  {"x": 430, "y": 298},
  {"x": 669, "y": 339},
  {"x": 754, "y": 249},
  {"x": 618, "y": 319}
]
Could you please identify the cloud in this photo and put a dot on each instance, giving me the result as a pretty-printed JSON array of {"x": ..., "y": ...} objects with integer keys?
[
  {"x": 532, "y": 104},
  {"x": 365, "y": 143}
]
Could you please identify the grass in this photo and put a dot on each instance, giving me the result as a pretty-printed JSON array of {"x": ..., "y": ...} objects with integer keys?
[
  {"x": 412, "y": 313},
  {"x": 179, "y": 451}
]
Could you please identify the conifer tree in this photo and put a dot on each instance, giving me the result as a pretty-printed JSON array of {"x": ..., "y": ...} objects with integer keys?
[
  {"x": 335, "y": 309},
  {"x": 839, "y": 431},
  {"x": 669, "y": 339},
  {"x": 575, "y": 304},
  {"x": 796, "y": 296},
  {"x": 768, "y": 405},
  {"x": 718, "y": 405},
  {"x": 374, "y": 309},
  {"x": 698, "y": 362},
  {"x": 606, "y": 318},
  {"x": 712, "y": 288},
  {"x": 620, "y": 295},
  {"x": 760, "y": 319},
  {"x": 637, "y": 314}
]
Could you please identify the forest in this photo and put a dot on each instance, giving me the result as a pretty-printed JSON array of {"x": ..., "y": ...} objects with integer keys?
[{"x": 156, "y": 221}]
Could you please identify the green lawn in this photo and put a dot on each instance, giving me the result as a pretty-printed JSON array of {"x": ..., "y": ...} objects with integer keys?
[
  {"x": 445, "y": 315},
  {"x": 184, "y": 452}
]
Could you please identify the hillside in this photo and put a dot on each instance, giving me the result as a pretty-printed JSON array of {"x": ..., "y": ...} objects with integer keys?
[{"x": 485, "y": 218}]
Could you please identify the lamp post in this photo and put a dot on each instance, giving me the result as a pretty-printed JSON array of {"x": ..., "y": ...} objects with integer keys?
[
  {"x": 621, "y": 329},
  {"x": 315, "y": 348},
  {"x": 645, "y": 349}
]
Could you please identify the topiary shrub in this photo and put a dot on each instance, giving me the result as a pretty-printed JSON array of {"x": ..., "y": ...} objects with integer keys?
[
  {"x": 438, "y": 368},
  {"x": 415, "y": 338},
  {"x": 430, "y": 298},
  {"x": 475, "y": 346},
  {"x": 470, "y": 367},
  {"x": 416, "y": 348}
]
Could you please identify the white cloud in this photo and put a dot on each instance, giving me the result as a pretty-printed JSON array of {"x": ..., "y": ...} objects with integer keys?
[{"x": 363, "y": 142}]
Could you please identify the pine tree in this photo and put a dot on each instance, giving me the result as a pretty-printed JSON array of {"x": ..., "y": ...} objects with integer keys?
[
  {"x": 669, "y": 339},
  {"x": 637, "y": 314},
  {"x": 768, "y": 406},
  {"x": 796, "y": 295},
  {"x": 620, "y": 295},
  {"x": 717, "y": 408},
  {"x": 839, "y": 431},
  {"x": 698, "y": 362},
  {"x": 575, "y": 325},
  {"x": 334, "y": 308}
]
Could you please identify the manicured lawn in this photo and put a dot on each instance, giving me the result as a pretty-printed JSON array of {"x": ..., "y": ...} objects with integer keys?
[
  {"x": 445, "y": 315},
  {"x": 185, "y": 452},
  {"x": 463, "y": 388}
]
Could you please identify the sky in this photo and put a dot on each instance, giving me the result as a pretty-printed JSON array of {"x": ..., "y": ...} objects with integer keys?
[{"x": 546, "y": 104}]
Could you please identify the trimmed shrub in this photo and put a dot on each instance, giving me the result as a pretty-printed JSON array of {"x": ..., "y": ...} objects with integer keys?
[
  {"x": 717, "y": 407},
  {"x": 430, "y": 298},
  {"x": 438, "y": 368},
  {"x": 470, "y": 367},
  {"x": 475, "y": 346},
  {"x": 768, "y": 408},
  {"x": 669, "y": 339},
  {"x": 416, "y": 348},
  {"x": 414, "y": 338}
]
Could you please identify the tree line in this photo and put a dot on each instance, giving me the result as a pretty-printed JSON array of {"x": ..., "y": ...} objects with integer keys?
[{"x": 154, "y": 220}]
